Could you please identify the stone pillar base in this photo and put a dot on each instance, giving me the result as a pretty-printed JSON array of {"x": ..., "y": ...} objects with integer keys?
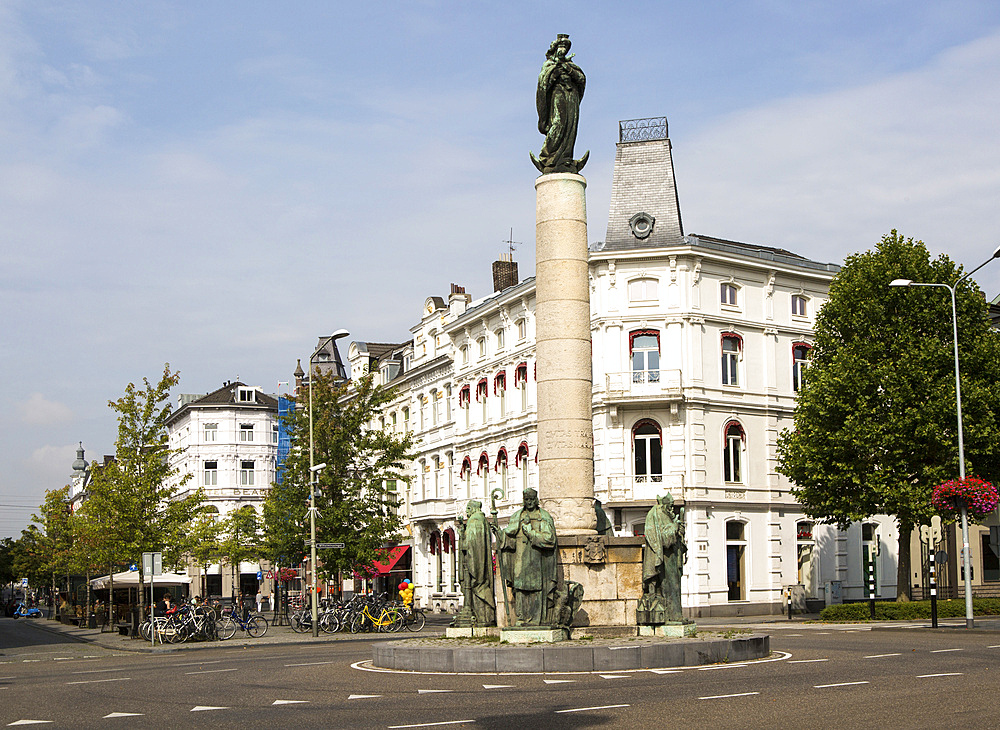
[
  {"x": 572, "y": 515},
  {"x": 533, "y": 635}
]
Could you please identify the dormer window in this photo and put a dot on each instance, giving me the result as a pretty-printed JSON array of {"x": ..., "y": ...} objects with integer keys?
[{"x": 247, "y": 395}]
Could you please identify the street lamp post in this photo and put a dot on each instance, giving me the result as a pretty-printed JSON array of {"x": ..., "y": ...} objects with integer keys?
[
  {"x": 313, "y": 471},
  {"x": 966, "y": 552}
]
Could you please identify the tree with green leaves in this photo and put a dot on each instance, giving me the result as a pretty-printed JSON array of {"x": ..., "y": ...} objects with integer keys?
[
  {"x": 355, "y": 491},
  {"x": 53, "y": 535},
  {"x": 875, "y": 423},
  {"x": 202, "y": 542},
  {"x": 239, "y": 539},
  {"x": 132, "y": 502}
]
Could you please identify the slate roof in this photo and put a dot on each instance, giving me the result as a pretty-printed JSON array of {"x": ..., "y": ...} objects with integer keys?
[{"x": 228, "y": 396}]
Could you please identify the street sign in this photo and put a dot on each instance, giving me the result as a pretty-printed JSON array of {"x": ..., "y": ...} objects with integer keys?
[
  {"x": 308, "y": 541},
  {"x": 329, "y": 545},
  {"x": 152, "y": 563}
]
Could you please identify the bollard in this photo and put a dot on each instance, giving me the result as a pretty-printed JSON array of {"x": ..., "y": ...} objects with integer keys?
[
  {"x": 871, "y": 588},
  {"x": 934, "y": 621}
]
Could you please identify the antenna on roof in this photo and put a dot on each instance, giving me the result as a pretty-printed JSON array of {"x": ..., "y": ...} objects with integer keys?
[{"x": 511, "y": 243}]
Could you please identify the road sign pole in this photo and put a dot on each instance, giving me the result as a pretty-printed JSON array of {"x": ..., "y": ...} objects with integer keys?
[
  {"x": 871, "y": 586},
  {"x": 934, "y": 621}
]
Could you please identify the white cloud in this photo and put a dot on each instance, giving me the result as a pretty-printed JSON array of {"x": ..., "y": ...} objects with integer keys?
[
  {"x": 40, "y": 411},
  {"x": 825, "y": 175},
  {"x": 50, "y": 465}
]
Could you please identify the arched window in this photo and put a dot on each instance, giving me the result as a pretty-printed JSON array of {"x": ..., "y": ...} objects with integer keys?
[
  {"x": 732, "y": 468},
  {"x": 522, "y": 460},
  {"x": 648, "y": 450},
  {"x": 500, "y": 390},
  {"x": 732, "y": 353},
  {"x": 729, "y": 294},
  {"x": 483, "y": 470},
  {"x": 800, "y": 361},
  {"x": 501, "y": 468},
  {"x": 736, "y": 559},
  {"x": 642, "y": 290},
  {"x": 521, "y": 383},
  {"x": 644, "y": 346},
  {"x": 799, "y": 305}
]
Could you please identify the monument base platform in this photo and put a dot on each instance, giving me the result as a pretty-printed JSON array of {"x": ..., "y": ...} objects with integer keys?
[
  {"x": 671, "y": 629},
  {"x": 471, "y": 632},
  {"x": 594, "y": 655},
  {"x": 533, "y": 635}
]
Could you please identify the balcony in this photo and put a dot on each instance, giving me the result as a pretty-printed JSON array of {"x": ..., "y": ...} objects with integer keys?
[
  {"x": 644, "y": 385},
  {"x": 443, "y": 508},
  {"x": 624, "y": 488}
]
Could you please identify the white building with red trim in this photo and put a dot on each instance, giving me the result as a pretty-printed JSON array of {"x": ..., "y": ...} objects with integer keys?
[{"x": 699, "y": 347}]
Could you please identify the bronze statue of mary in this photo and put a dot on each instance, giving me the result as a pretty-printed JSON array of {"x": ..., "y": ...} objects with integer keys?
[{"x": 560, "y": 89}]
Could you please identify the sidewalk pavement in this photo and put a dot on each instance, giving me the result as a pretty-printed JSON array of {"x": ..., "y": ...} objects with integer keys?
[
  {"x": 436, "y": 623},
  {"x": 275, "y": 636}
]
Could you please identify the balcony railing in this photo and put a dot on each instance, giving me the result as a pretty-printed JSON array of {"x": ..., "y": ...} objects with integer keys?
[
  {"x": 644, "y": 384},
  {"x": 635, "y": 487}
]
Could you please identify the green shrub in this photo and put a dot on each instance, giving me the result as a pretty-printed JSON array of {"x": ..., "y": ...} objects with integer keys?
[{"x": 908, "y": 610}]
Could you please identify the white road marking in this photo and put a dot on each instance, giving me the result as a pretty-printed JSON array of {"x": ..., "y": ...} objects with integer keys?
[
  {"x": 497, "y": 686},
  {"x": 8, "y": 678},
  {"x": 665, "y": 671},
  {"x": 95, "y": 671},
  {"x": 838, "y": 684},
  {"x": 558, "y": 681},
  {"x": 722, "y": 697},
  {"x": 432, "y": 691},
  {"x": 432, "y": 724},
  {"x": 33, "y": 660},
  {"x": 614, "y": 676},
  {"x": 806, "y": 661},
  {"x": 587, "y": 709},
  {"x": 879, "y": 656},
  {"x": 308, "y": 664},
  {"x": 203, "y": 708},
  {"x": 123, "y": 714},
  {"x": 196, "y": 664},
  {"x": 290, "y": 702},
  {"x": 821, "y": 633},
  {"x": 362, "y": 697},
  {"x": 28, "y": 722},
  {"x": 942, "y": 651},
  {"x": 95, "y": 681},
  {"x": 62, "y": 658},
  {"x": 793, "y": 634},
  {"x": 943, "y": 674},
  {"x": 995, "y": 646},
  {"x": 213, "y": 671},
  {"x": 720, "y": 666}
]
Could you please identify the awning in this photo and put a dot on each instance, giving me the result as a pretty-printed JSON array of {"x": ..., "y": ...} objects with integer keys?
[
  {"x": 391, "y": 557},
  {"x": 130, "y": 578}
]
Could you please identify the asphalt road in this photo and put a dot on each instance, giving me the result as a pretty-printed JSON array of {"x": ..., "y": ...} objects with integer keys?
[{"x": 818, "y": 677}]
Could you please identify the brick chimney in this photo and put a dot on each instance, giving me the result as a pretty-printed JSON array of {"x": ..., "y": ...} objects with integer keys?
[{"x": 504, "y": 272}]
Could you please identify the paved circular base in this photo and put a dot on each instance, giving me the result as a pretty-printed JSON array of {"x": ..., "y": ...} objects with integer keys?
[{"x": 465, "y": 655}]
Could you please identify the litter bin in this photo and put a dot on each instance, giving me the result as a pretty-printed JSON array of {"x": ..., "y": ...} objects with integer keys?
[{"x": 92, "y": 621}]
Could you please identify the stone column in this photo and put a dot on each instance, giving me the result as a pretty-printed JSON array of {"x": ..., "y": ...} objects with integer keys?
[{"x": 564, "y": 367}]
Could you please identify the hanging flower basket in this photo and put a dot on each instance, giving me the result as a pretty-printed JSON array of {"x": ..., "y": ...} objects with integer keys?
[{"x": 979, "y": 497}]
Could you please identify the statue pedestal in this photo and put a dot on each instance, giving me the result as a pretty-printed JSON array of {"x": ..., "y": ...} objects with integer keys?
[
  {"x": 610, "y": 571},
  {"x": 671, "y": 629},
  {"x": 533, "y": 635}
]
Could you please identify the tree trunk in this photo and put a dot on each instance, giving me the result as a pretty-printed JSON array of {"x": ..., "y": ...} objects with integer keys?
[{"x": 903, "y": 561}]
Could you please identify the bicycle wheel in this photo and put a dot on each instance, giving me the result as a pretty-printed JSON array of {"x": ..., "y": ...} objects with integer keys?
[
  {"x": 144, "y": 631},
  {"x": 173, "y": 632},
  {"x": 301, "y": 623},
  {"x": 358, "y": 623},
  {"x": 328, "y": 622},
  {"x": 226, "y": 628},
  {"x": 257, "y": 626},
  {"x": 396, "y": 621},
  {"x": 416, "y": 620}
]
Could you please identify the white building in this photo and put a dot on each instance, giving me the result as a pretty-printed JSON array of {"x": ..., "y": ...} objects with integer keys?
[
  {"x": 227, "y": 441},
  {"x": 699, "y": 347}
]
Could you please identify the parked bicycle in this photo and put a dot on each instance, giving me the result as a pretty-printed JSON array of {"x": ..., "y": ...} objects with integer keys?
[{"x": 255, "y": 626}]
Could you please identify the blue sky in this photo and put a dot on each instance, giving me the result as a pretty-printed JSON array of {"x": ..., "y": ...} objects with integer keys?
[{"x": 216, "y": 184}]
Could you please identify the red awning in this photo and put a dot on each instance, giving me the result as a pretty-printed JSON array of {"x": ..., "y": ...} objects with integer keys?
[{"x": 390, "y": 558}]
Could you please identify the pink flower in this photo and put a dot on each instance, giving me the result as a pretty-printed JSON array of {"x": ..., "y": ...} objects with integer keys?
[{"x": 980, "y": 497}]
